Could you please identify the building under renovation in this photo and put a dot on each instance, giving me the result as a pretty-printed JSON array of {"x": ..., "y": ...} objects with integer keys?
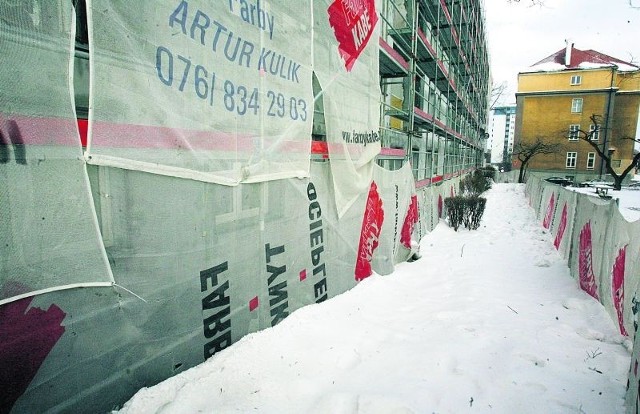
[
  {"x": 434, "y": 79},
  {"x": 178, "y": 174}
]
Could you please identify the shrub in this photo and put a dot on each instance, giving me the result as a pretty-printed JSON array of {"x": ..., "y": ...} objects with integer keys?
[
  {"x": 474, "y": 210},
  {"x": 455, "y": 207},
  {"x": 465, "y": 211},
  {"x": 489, "y": 171},
  {"x": 474, "y": 184}
]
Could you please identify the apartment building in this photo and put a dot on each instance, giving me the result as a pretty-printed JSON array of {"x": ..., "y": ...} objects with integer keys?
[
  {"x": 501, "y": 133},
  {"x": 573, "y": 92}
]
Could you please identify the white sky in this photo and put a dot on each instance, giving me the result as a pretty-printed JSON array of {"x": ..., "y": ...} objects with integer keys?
[
  {"x": 520, "y": 34},
  {"x": 487, "y": 321}
]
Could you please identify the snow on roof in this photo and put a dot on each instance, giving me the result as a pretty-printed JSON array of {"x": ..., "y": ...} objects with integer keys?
[
  {"x": 579, "y": 59},
  {"x": 545, "y": 67}
]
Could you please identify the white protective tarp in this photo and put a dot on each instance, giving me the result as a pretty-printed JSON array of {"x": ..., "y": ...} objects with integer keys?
[
  {"x": 616, "y": 277},
  {"x": 562, "y": 223},
  {"x": 632, "y": 307},
  {"x": 548, "y": 205},
  {"x": 48, "y": 233},
  {"x": 217, "y": 91},
  {"x": 586, "y": 263},
  {"x": 346, "y": 65},
  {"x": 397, "y": 189}
]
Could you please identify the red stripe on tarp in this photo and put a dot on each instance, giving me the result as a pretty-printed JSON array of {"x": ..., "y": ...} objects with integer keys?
[
  {"x": 29, "y": 130},
  {"x": 320, "y": 148},
  {"x": 83, "y": 129},
  {"x": 392, "y": 152},
  {"x": 423, "y": 183},
  {"x": 428, "y": 181}
]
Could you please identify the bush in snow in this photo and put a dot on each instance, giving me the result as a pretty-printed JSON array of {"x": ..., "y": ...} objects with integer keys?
[
  {"x": 455, "y": 207},
  {"x": 467, "y": 211},
  {"x": 475, "y": 184},
  {"x": 474, "y": 210},
  {"x": 489, "y": 172}
]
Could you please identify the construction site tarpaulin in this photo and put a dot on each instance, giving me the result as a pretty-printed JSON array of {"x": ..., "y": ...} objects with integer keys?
[
  {"x": 46, "y": 212},
  {"x": 346, "y": 65},
  {"x": 562, "y": 222},
  {"x": 213, "y": 91}
]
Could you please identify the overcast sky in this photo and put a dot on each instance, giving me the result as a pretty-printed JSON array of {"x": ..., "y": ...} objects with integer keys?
[{"x": 520, "y": 34}]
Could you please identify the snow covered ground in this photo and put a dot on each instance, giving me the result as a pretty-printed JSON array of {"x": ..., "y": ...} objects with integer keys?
[{"x": 487, "y": 321}]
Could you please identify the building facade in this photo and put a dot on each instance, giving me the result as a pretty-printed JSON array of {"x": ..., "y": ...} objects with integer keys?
[
  {"x": 501, "y": 134},
  {"x": 434, "y": 79},
  {"x": 572, "y": 93}
]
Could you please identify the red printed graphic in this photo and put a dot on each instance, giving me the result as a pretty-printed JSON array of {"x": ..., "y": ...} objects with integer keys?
[
  {"x": 27, "y": 335},
  {"x": 254, "y": 303},
  {"x": 561, "y": 227},
  {"x": 371, "y": 226},
  {"x": 547, "y": 218},
  {"x": 617, "y": 288},
  {"x": 452, "y": 194},
  {"x": 585, "y": 263},
  {"x": 352, "y": 22},
  {"x": 409, "y": 222},
  {"x": 439, "y": 206}
]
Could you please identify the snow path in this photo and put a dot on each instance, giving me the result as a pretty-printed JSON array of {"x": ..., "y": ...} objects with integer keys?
[{"x": 487, "y": 321}]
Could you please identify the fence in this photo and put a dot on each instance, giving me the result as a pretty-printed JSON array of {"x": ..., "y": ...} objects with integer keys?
[{"x": 602, "y": 250}]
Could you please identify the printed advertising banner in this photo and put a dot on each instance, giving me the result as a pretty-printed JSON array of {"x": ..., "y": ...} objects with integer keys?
[
  {"x": 591, "y": 221},
  {"x": 620, "y": 285},
  {"x": 396, "y": 189},
  {"x": 562, "y": 224},
  {"x": 346, "y": 64},
  {"x": 46, "y": 212},
  {"x": 632, "y": 308},
  {"x": 217, "y": 91}
]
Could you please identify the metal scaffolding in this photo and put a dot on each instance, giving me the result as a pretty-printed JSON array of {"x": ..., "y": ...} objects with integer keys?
[{"x": 434, "y": 78}]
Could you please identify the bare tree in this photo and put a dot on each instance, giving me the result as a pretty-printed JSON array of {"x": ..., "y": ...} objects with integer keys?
[
  {"x": 592, "y": 136},
  {"x": 496, "y": 93},
  {"x": 525, "y": 151}
]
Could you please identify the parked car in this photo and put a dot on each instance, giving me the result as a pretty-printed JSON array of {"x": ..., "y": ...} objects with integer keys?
[
  {"x": 559, "y": 180},
  {"x": 593, "y": 183}
]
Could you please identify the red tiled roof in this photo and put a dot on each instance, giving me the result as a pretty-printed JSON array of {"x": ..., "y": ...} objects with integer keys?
[{"x": 583, "y": 56}]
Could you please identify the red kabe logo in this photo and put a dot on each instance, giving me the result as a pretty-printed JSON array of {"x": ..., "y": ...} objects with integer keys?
[
  {"x": 371, "y": 226},
  {"x": 409, "y": 221},
  {"x": 547, "y": 219},
  {"x": 585, "y": 265},
  {"x": 353, "y": 22},
  {"x": 27, "y": 335},
  {"x": 617, "y": 288},
  {"x": 561, "y": 227}
]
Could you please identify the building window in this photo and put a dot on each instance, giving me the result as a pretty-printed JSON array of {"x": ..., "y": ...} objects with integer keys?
[
  {"x": 573, "y": 132},
  {"x": 576, "y": 105},
  {"x": 576, "y": 80},
  {"x": 571, "y": 159},
  {"x": 594, "y": 132},
  {"x": 591, "y": 160}
]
